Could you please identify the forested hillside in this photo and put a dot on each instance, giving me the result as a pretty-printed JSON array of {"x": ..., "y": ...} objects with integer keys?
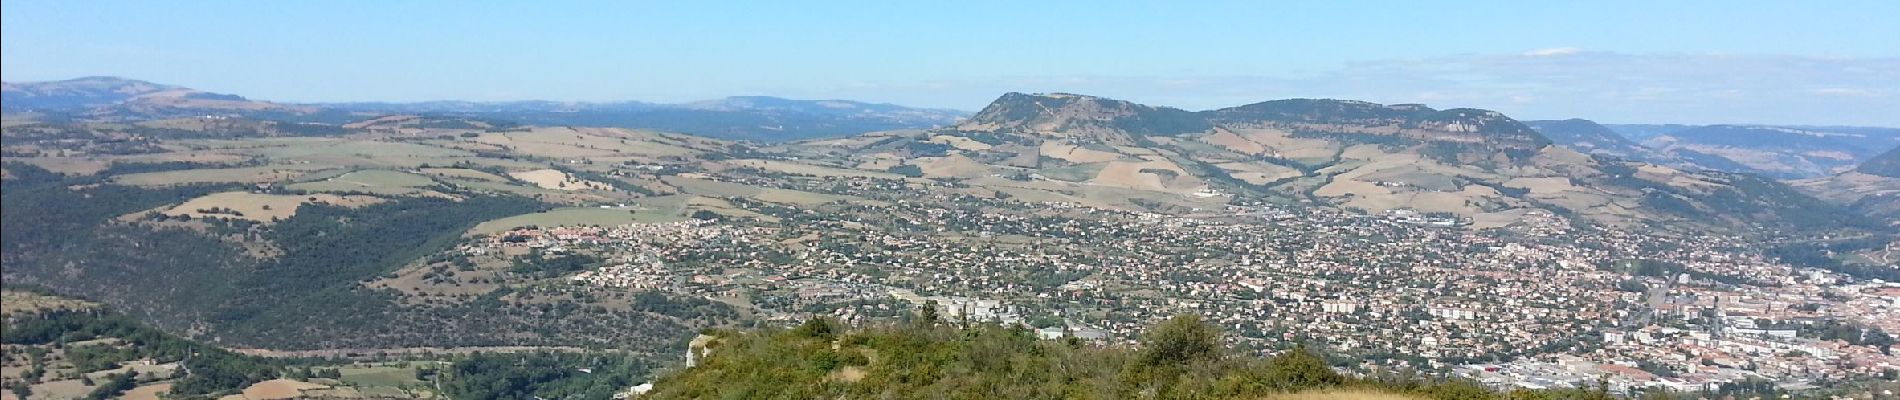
[{"x": 1181, "y": 358}]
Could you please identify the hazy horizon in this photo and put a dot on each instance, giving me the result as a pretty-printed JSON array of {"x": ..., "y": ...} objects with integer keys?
[{"x": 1670, "y": 63}]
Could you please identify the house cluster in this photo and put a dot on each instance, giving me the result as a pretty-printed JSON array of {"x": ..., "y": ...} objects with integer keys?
[{"x": 1543, "y": 302}]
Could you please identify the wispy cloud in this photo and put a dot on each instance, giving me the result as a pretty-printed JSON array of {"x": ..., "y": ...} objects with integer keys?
[{"x": 1554, "y": 51}]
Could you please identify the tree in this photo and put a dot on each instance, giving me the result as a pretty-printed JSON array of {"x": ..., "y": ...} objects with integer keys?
[
  {"x": 1180, "y": 340},
  {"x": 816, "y": 328},
  {"x": 929, "y": 314},
  {"x": 1299, "y": 368}
]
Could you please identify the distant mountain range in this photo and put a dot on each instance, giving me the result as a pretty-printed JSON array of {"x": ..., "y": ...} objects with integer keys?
[
  {"x": 108, "y": 96},
  {"x": 757, "y": 118},
  {"x": 1588, "y": 137},
  {"x": 1476, "y": 164},
  {"x": 1776, "y": 151},
  {"x": 1784, "y": 152}
]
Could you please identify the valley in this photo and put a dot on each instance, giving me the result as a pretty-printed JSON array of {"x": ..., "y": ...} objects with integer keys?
[{"x": 1388, "y": 237}]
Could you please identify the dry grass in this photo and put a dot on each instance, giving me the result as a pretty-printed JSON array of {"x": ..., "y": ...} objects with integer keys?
[
  {"x": 279, "y": 389},
  {"x": 270, "y": 173},
  {"x": 568, "y": 143},
  {"x": 956, "y": 166},
  {"x": 556, "y": 180},
  {"x": 16, "y": 302},
  {"x": 261, "y": 207},
  {"x": 960, "y": 142},
  {"x": 814, "y": 170},
  {"x": 1234, "y": 142},
  {"x": 464, "y": 173},
  {"x": 1130, "y": 175},
  {"x": 1076, "y": 154},
  {"x": 62, "y": 389},
  {"x": 147, "y": 392}
]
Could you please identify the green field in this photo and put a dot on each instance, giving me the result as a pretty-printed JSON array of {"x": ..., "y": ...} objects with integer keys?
[
  {"x": 375, "y": 376},
  {"x": 728, "y": 189},
  {"x": 268, "y": 173},
  {"x": 375, "y": 181},
  {"x": 1074, "y": 173},
  {"x": 385, "y": 178},
  {"x": 657, "y": 209}
]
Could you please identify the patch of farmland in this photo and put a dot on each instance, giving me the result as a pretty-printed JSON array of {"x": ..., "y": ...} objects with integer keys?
[
  {"x": 260, "y": 207},
  {"x": 380, "y": 182},
  {"x": 710, "y": 187},
  {"x": 1076, "y": 154},
  {"x": 278, "y": 389},
  {"x": 61, "y": 389},
  {"x": 558, "y": 180},
  {"x": 1073, "y": 173},
  {"x": 12, "y": 301},
  {"x": 955, "y": 166},
  {"x": 375, "y": 376},
  {"x": 1138, "y": 175},
  {"x": 564, "y": 142},
  {"x": 366, "y": 149},
  {"x": 659, "y": 209},
  {"x": 464, "y": 173},
  {"x": 259, "y": 174},
  {"x": 384, "y": 178},
  {"x": 960, "y": 142},
  {"x": 147, "y": 392},
  {"x": 725, "y": 208},
  {"x": 814, "y": 170},
  {"x": 87, "y": 165}
]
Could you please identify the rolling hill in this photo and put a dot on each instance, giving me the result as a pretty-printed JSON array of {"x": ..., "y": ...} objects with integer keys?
[
  {"x": 1588, "y": 137},
  {"x": 757, "y": 118},
  {"x": 128, "y": 98},
  {"x": 1477, "y": 164},
  {"x": 1781, "y": 152},
  {"x": 1886, "y": 164},
  {"x": 1872, "y": 188}
]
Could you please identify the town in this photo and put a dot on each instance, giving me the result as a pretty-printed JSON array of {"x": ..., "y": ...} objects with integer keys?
[{"x": 1542, "y": 303}]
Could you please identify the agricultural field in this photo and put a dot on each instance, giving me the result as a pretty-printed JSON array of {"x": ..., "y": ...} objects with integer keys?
[
  {"x": 261, "y": 174},
  {"x": 375, "y": 181},
  {"x": 554, "y": 179},
  {"x": 712, "y": 188},
  {"x": 667, "y": 209},
  {"x": 15, "y": 301},
  {"x": 88, "y": 165},
  {"x": 352, "y": 381},
  {"x": 813, "y": 170},
  {"x": 464, "y": 173},
  {"x": 570, "y": 143},
  {"x": 260, "y": 207}
]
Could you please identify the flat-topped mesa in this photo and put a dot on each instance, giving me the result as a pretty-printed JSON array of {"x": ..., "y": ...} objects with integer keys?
[
  {"x": 1073, "y": 115},
  {"x": 1464, "y": 134},
  {"x": 1487, "y": 128}
]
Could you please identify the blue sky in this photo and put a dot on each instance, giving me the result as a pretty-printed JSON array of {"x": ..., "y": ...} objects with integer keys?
[{"x": 1815, "y": 62}]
